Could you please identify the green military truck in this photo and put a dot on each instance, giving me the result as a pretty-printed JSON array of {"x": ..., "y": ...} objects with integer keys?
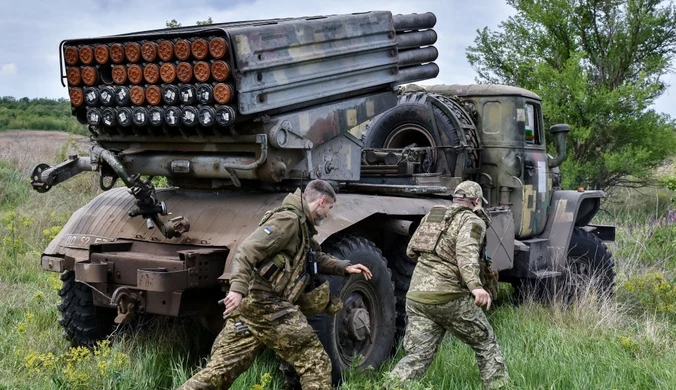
[{"x": 235, "y": 115}]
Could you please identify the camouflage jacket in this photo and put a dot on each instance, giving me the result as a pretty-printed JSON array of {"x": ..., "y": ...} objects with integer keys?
[
  {"x": 279, "y": 235},
  {"x": 435, "y": 279}
]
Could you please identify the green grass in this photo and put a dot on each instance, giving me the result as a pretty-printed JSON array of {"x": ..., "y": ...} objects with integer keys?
[{"x": 627, "y": 343}]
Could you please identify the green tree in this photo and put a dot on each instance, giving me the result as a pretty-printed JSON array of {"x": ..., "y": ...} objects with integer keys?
[
  {"x": 173, "y": 23},
  {"x": 204, "y": 22},
  {"x": 598, "y": 65}
]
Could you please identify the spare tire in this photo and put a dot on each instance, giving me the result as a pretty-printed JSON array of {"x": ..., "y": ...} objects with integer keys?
[{"x": 408, "y": 123}]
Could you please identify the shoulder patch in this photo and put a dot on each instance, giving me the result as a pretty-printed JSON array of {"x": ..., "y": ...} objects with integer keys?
[
  {"x": 476, "y": 231},
  {"x": 267, "y": 230}
]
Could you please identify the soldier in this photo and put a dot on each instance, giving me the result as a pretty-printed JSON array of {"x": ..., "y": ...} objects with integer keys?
[
  {"x": 270, "y": 274},
  {"x": 446, "y": 290}
]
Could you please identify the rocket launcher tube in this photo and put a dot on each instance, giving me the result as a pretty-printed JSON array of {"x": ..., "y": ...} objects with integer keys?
[{"x": 414, "y": 21}]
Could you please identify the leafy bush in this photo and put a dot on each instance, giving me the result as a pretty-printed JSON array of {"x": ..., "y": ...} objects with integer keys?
[
  {"x": 38, "y": 114},
  {"x": 652, "y": 292}
]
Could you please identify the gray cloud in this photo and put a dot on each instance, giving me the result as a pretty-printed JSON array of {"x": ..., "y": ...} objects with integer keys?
[{"x": 32, "y": 31}]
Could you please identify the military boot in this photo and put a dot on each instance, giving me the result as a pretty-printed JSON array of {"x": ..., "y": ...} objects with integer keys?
[{"x": 291, "y": 377}]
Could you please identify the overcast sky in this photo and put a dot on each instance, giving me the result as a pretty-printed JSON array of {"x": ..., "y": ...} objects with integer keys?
[{"x": 31, "y": 31}]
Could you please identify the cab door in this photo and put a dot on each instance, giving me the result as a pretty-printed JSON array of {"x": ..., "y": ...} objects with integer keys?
[{"x": 536, "y": 178}]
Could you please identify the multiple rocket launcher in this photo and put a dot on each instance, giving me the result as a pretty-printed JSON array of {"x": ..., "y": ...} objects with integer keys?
[{"x": 197, "y": 81}]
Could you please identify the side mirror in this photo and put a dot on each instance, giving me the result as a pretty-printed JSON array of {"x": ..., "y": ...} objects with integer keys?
[{"x": 560, "y": 134}]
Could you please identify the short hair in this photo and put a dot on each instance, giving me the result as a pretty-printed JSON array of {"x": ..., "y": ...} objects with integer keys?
[{"x": 316, "y": 189}]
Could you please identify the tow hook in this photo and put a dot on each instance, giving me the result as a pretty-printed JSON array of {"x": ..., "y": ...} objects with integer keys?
[{"x": 127, "y": 304}]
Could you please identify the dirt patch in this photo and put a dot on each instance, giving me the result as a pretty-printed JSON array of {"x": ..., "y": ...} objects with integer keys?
[{"x": 24, "y": 149}]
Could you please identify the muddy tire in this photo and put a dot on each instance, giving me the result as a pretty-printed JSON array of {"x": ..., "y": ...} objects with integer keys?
[
  {"x": 409, "y": 122},
  {"x": 84, "y": 323},
  {"x": 365, "y": 326},
  {"x": 590, "y": 267}
]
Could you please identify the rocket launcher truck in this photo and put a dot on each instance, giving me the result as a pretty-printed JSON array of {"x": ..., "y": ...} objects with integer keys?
[{"x": 235, "y": 115}]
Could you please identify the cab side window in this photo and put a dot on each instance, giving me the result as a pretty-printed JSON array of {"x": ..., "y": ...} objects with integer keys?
[{"x": 532, "y": 120}]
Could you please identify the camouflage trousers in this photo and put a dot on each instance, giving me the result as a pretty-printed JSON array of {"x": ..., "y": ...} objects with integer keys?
[
  {"x": 427, "y": 325},
  {"x": 272, "y": 322}
]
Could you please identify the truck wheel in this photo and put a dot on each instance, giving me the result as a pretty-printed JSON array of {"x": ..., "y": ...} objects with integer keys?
[
  {"x": 84, "y": 323},
  {"x": 590, "y": 266},
  {"x": 409, "y": 123},
  {"x": 402, "y": 268},
  {"x": 364, "y": 329}
]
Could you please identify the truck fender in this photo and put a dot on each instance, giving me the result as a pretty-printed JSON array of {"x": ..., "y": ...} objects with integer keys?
[
  {"x": 216, "y": 220},
  {"x": 568, "y": 210}
]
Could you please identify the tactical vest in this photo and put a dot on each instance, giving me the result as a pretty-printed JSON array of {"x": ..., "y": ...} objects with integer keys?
[
  {"x": 426, "y": 238},
  {"x": 287, "y": 277}
]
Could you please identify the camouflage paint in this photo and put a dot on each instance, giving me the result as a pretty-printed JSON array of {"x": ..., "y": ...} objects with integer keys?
[{"x": 508, "y": 163}]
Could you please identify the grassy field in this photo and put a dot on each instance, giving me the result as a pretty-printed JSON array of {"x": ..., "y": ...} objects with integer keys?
[{"x": 627, "y": 343}]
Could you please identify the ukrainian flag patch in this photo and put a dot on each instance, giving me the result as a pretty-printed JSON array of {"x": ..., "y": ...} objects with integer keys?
[{"x": 267, "y": 230}]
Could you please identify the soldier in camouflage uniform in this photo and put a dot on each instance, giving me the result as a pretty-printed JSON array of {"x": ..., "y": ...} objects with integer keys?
[
  {"x": 446, "y": 291},
  {"x": 269, "y": 279}
]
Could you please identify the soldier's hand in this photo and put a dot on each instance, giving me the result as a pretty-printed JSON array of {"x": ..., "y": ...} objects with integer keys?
[
  {"x": 482, "y": 298},
  {"x": 231, "y": 302},
  {"x": 359, "y": 269}
]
